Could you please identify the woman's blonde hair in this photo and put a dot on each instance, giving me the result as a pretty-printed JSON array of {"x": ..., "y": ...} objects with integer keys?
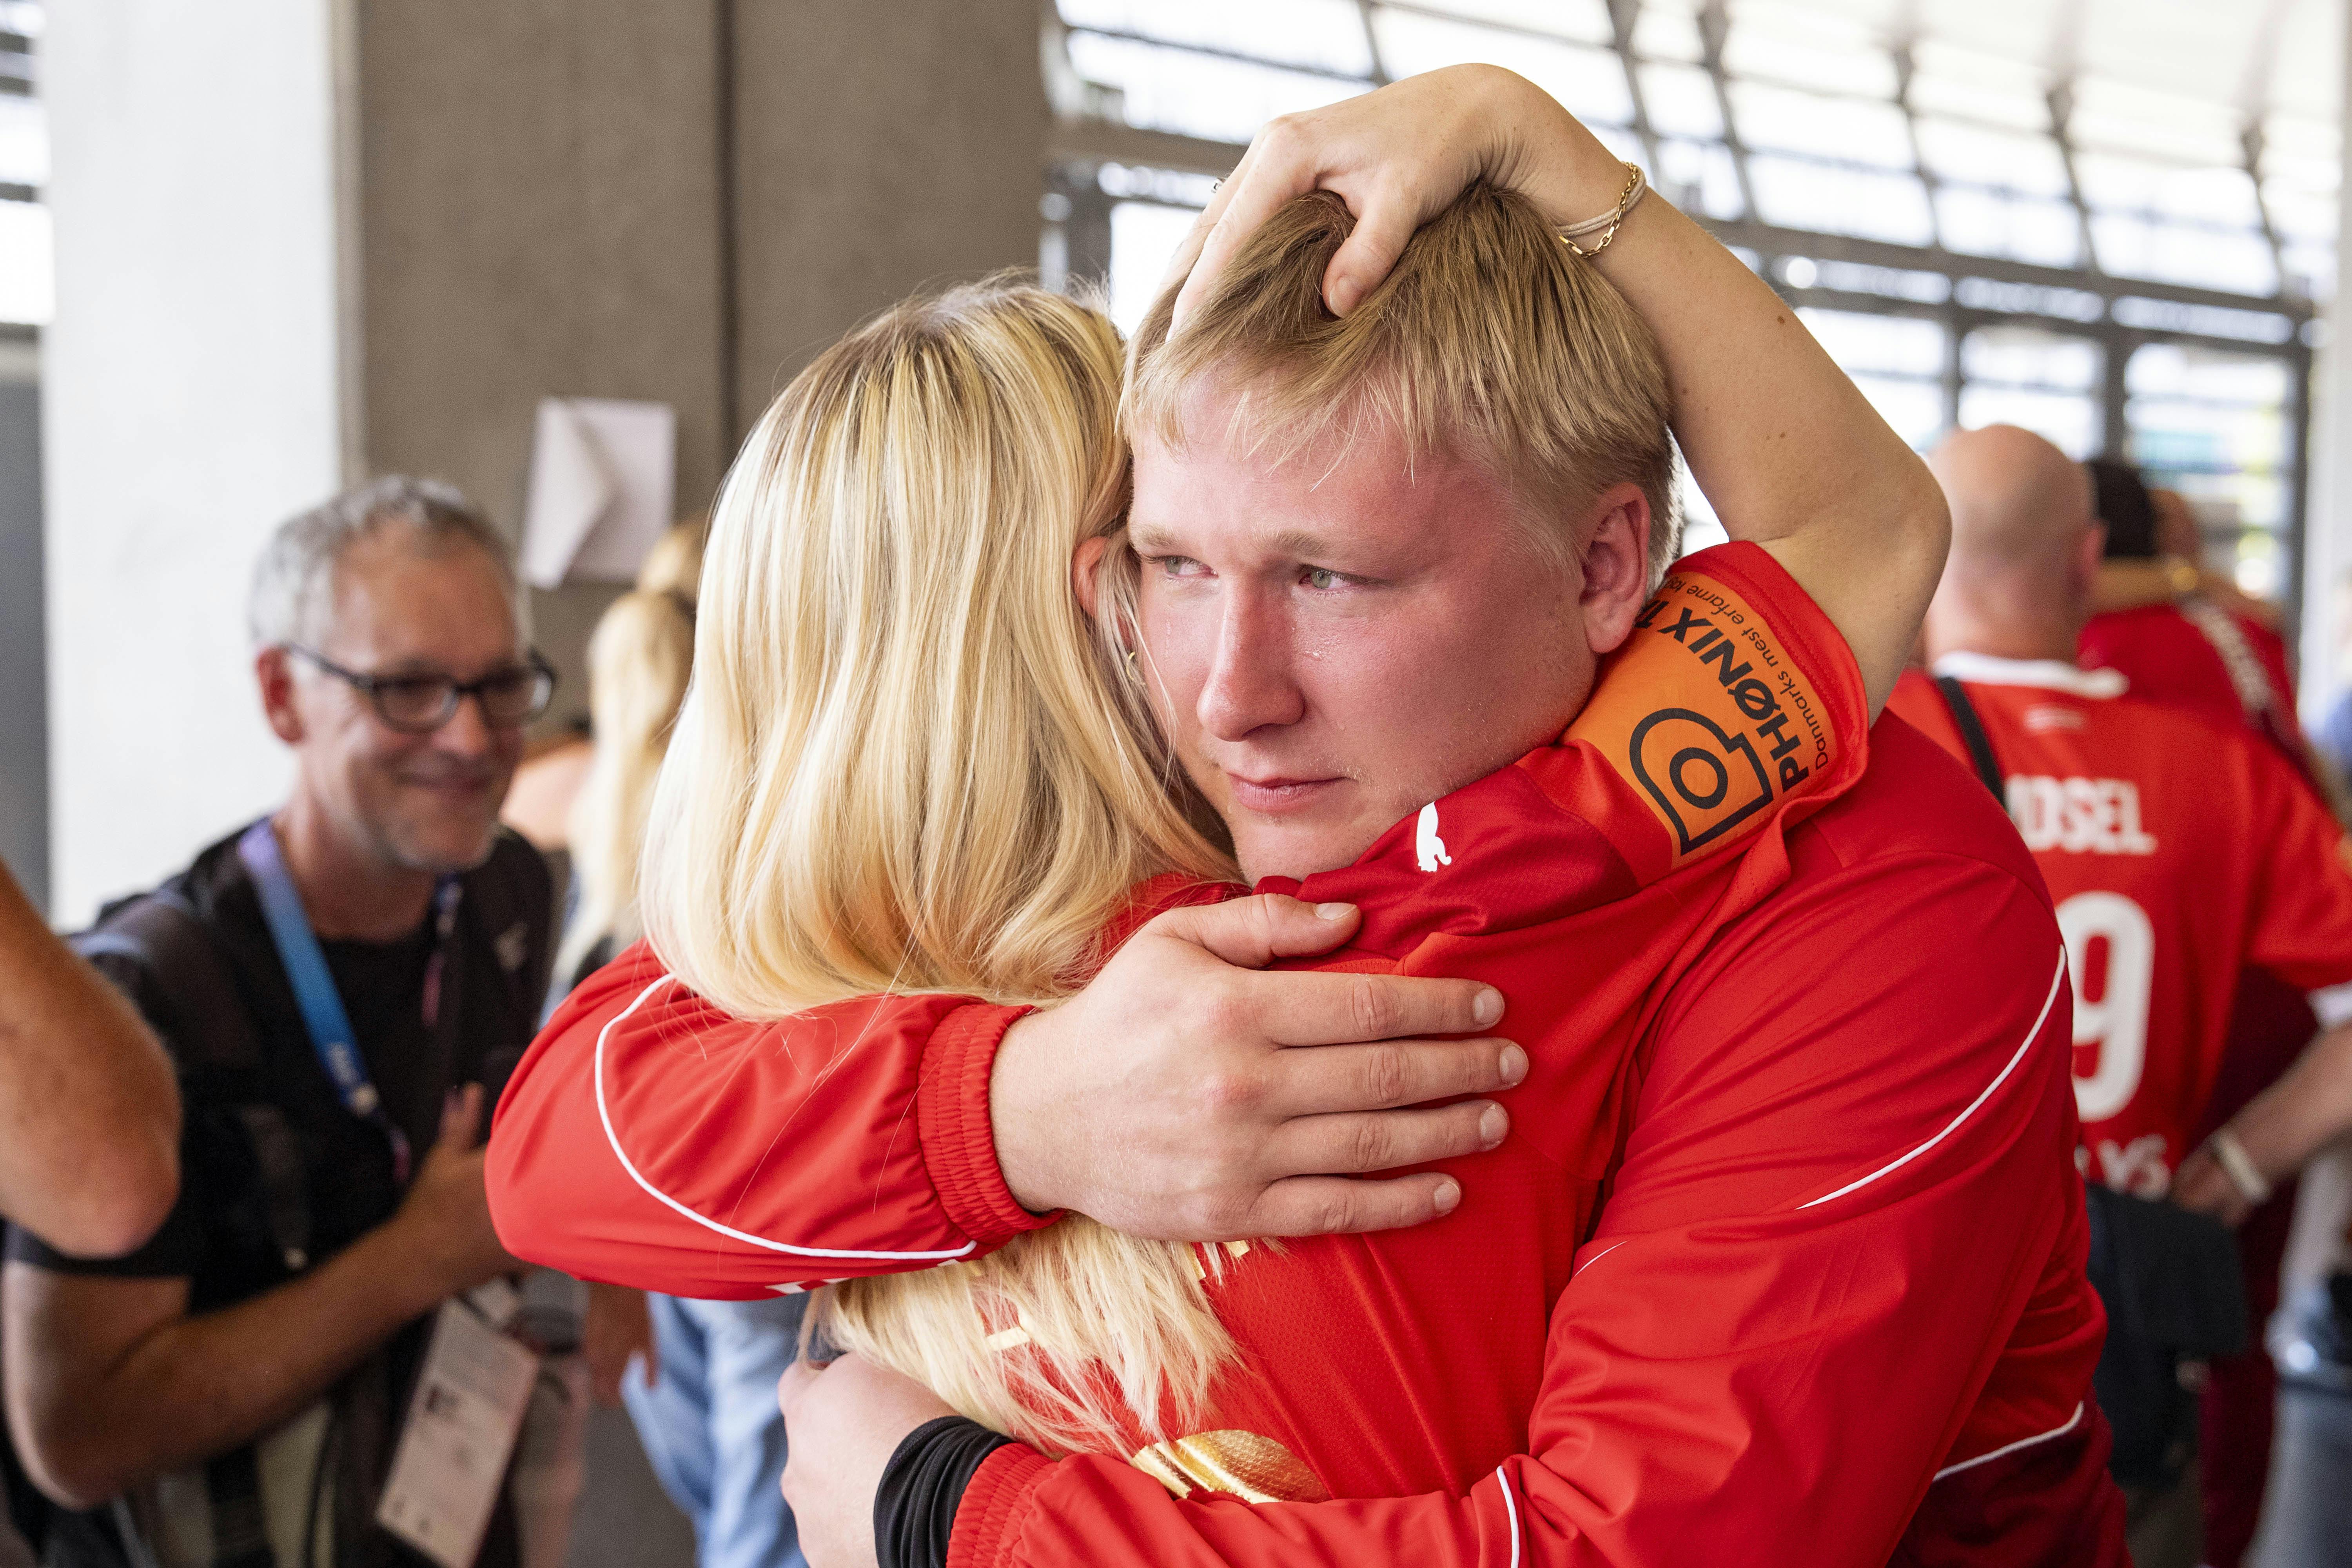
[
  {"x": 908, "y": 763},
  {"x": 638, "y": 658}
]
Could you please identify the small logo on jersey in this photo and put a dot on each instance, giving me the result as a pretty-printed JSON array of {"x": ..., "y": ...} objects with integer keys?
[
  {"x": 2079, "y": 815},
  {"x": 2040, "y": 721},
  {"x": 513, "y": 945},
  {"x": 1705, "y": 779},
  {"x": 1427, "y": 847}
]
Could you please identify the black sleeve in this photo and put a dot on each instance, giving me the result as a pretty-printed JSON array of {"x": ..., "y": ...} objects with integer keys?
[
  {"x": 173, "y": 1250},
  {"x": 915, "y": 1506}
]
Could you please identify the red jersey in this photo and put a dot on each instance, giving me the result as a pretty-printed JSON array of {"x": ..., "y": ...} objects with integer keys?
[
  {"x": 1790, "y": 1305},
  {"x": 2179, "y": 852},
  {"x": 2230, "y": 669}
]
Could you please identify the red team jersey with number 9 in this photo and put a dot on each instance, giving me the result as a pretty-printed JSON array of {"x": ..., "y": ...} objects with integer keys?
[{"x": 2179, "y": 852}]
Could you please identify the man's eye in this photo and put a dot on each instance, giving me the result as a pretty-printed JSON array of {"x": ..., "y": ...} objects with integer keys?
[
  {"x": 1177, "y": 566},
  {"x": 1322, "y": 577}
]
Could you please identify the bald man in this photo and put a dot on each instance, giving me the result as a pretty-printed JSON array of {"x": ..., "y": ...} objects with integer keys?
[{"x": 2179, "y": 851}]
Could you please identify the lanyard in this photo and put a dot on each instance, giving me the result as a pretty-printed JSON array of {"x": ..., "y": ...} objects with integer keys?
[{"x": 323, "y": 1017}]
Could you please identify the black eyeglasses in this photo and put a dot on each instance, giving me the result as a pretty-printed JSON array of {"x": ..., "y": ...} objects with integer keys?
[{"x": 421, "y": 703}]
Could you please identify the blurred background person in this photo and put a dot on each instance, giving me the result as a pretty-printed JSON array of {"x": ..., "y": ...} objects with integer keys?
[
  {"x": 342, "y": 983},
  {"x": 2182, "y": 853},
  {"x": 2184, "y": 635},
  {"x": 699, "y": 1377}
]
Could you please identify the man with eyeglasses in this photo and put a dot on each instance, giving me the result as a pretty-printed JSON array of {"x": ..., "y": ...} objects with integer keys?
[{"x": 344, "y": 985}]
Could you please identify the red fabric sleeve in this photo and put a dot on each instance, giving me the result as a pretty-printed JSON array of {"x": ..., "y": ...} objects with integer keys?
[
  {"x": 2301, "y": 913},
  {"x": 1842, "y": 1187},
  {"x": 649, "y": 1140}
]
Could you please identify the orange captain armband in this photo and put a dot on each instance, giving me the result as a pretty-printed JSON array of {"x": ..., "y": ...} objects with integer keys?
[{"x": 1714, "y": 714}]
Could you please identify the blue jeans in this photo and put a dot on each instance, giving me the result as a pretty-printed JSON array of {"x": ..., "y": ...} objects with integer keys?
[{"x": 711, "y": 1426}]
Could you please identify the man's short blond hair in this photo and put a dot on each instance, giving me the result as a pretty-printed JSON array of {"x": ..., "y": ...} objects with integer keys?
[{"x": 1488, "y": 341}]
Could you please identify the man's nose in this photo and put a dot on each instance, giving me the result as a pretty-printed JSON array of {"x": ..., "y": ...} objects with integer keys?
[{"x": 1250, "y": 684}]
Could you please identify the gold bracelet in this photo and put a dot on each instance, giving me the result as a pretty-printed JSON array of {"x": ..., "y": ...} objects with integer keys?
[{"x": 1634, "y": 187}]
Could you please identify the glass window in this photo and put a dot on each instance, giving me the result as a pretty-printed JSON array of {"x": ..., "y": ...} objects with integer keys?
[
  {"x": 1167, "y": 88},
  {"x": 2019, "y": 32},
  {"x": 2214, "y": 196},
  {"x": 1987, "y": 223},
  {"x": 1699, "y": 176},
  {"x": 2212, "y": 425},
  {"x": 1864, "y": 343},
  {"x": 1798, "y": 193},
  {"x": 2173, "y": 253},
  {"x": 1668, "y": 32},
  {"x": 1804, "y": 46},
  {"x": 2031, "y": 357},
  {"x": 1970, "y": 85},
  {"x": 1682, "y": 101},
  {"x": 1898, "y": 362},
  {"x": 1143, "y": 239},
  {"x": 28, "y": 279},
  {"x": 1956, "y": 149},
  {"x": 24, "y": 143},
  {"x": 2114, "y": 114},
  {"x": 1841, "y": 128},
  {"x": 2068, "y": 421},
  {"x": 1584, "y": 20},
  {"x": 1323, "y": 35},
  {"x": 1589, "y": 81}
]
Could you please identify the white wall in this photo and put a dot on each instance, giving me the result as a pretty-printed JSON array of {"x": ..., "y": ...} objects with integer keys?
[
  {"x": 190, "y": 403},
  {"x": 2327, "y": 517}
]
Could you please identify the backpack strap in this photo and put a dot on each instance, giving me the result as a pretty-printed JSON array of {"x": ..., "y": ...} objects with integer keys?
[{"x": 1973, "y": 736}]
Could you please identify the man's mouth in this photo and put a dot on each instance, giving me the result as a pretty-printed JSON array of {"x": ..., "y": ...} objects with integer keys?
[
  {"x": 1276, "y": 795},
  {"x": 451, "y": 784}
]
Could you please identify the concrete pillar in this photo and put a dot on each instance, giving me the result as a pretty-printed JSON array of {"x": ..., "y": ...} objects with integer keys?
[
  {"x": 191, "y": 398},
  {"x": 308, "y": 240},
  {"x": 879, "y": 150},
  {"x": 539, "y": 214}
]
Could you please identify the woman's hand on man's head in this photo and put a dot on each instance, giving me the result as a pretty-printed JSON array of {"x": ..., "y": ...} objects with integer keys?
[{"x": 1397, "y": 157}]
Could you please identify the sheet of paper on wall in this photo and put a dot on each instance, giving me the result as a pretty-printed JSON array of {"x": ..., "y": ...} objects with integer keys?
[{"x": 602, "y": 484}]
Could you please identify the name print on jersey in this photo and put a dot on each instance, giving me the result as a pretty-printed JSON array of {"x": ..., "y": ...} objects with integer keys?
[{"x": 2079, "y": 815}]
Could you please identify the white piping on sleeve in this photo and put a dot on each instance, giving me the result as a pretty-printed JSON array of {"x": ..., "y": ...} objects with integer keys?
[
  {"x": 1511, "y": 1510},
  {"x": 2072, "y": 1422},
  {"x": 2030, "y": 1036},
  {"x": 614, "y": 1138}
]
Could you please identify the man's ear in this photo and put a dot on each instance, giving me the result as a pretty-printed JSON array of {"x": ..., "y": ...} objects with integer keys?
[
  {"x": 273, "y": 672},
  {"x": 1616, "y": 563},
  {"x": 1086, "y": 568}
]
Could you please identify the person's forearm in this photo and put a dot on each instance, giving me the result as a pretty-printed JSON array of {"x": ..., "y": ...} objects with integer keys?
[
  {"x": 2309, "y": 1106},
  {"x": 1788, "y": 450},
  {"x": 641, "y": 1141},
  {"x": 202, "y": 1385},
  {"x": 90, "y": 1117}
]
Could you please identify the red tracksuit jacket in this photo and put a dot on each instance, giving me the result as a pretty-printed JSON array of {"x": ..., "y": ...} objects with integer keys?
[{"x": 1782, "y": 1262}]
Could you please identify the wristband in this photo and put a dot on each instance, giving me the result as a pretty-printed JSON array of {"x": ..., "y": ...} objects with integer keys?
[
  {"x": 915, "y": 1505},
  {"x": 2239, "y": 1166},
  {"x": 1635, "y": 185}
]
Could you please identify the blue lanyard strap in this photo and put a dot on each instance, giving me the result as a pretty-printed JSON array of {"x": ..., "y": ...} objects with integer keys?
[{"x": 321, "y": 1004}]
